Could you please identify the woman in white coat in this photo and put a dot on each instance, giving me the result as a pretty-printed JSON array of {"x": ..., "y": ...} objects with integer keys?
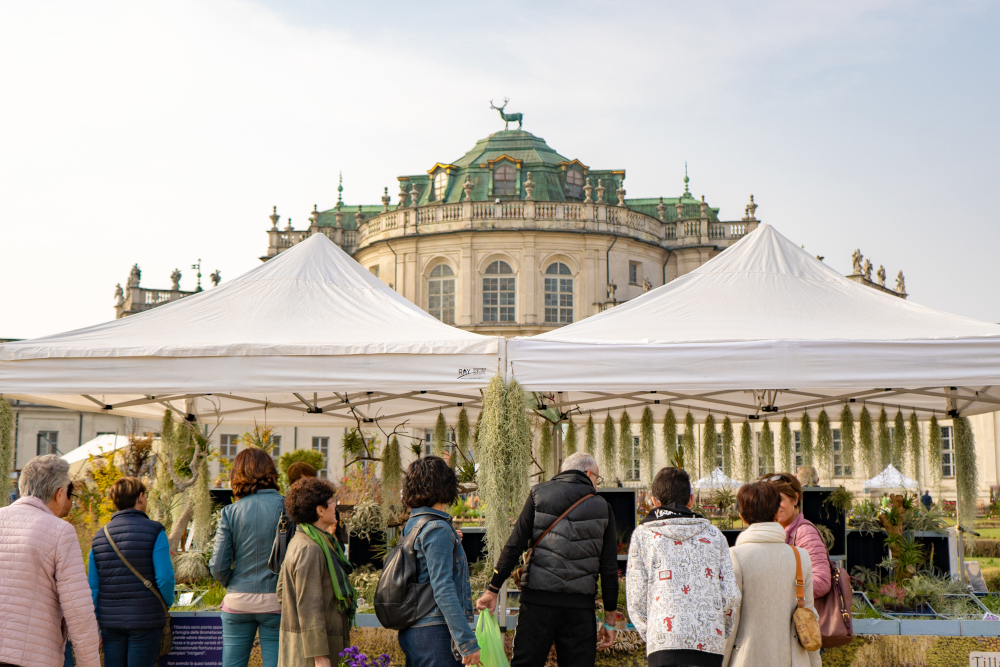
[{"x": 764, "y": 567}]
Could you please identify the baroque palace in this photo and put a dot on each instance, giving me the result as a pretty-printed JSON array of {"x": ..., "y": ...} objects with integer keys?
[{"x": 513, "y": 238}]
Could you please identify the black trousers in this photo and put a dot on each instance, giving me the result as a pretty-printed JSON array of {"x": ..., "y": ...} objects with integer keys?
[{"x": 573, "y": 631}]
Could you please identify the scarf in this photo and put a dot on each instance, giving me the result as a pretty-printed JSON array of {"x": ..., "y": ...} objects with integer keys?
[
  {"x": 761, "y": 533},
  {"x": 339, "y": 567},
  {"x": 670, "y": 512}
]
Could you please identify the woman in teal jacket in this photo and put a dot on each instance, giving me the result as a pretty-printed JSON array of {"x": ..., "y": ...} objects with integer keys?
[{"x": 243, "y": 544}]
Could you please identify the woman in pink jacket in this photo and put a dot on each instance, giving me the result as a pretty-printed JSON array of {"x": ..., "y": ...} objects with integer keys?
[{"x": 799, "y": 531}]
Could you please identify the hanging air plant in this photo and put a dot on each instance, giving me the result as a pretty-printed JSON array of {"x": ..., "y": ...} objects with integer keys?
[
  {"x": 824, "y": 442},
  {"x": 590, "y": 436},
  {"x": 746, "y": 452},
  {"x": 669, "y": 436},
  {"x": 687, "y": 442},
  {"x": 462, "y": 436},
  {"x": 441, "y": 437},
  {"x": 709, "y": 442},
  {"x": 806, "y": 438},
  {"x": 608, "y": 458},
  {"x": 647, "y": 447},
  {"x": 625, "y": 444},
  {"x": 898, "y": 440},
  {"x": 884, "y": 440},
  {"x": 392, "y": 480},
  {"x": 766, "y": 446},
  {"x": 913, "y": 439},
  {"x": 475, "y": 436},
  {"x": 6, "y": 451},
  {"x": 934, "y": 443},
  {"x": 966, "y": 473},
  {"x": 784, "y": 445},
  {"x": 867, "y": 438},
  {"x": 727, "y": 447},
  {"x": 570, "y": 441},
  {"x": 545, "y": 450},
  {"x": 847, "y": 436},
  {"x": 201, "y": 521}
]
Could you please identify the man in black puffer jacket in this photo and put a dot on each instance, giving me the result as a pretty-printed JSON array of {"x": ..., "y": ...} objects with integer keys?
[{"x": 560, "y": 583}]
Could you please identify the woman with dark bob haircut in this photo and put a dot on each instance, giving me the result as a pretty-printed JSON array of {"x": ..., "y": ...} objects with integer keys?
[
  {"x": 318, "y": 601},
  {"x": 765, "y": 571},
  {"x": 243, "y": 544},
  {"x": 429, "y": 487}
]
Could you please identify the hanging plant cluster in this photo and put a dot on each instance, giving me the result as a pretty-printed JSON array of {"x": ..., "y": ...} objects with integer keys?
[
  {"x": 847, "y": 436},
  {"x": 688, "y": 444},
  {"x": 766, "y": 446},
  {"x": 545, "y": 450},
  {"x": 884, "y": 441},
  {"x": 746, "y": 452},
  {"x": 590, "y": 436},
  {"x": 609, "y": 461},
  {"x": 913, "y": 440},
  {"x": 966, "y": 472},
  {"x": 824, "y": 442},
  {"x": 647, "y": 447},
  {"x": 785, "y": 445},
  {"x": 867, "y": 437},
  {"x": 669, "y": 435},
  {"x": 625, "y": 444},
  {"x": 806, "y": 438},
  {"x": 934, "y": 442},
  {"x": 727, "y": 447},
  {"x": 570, "y": 442},
  {"x": 898, "y": 439},
  {"x": 709, "y": 442}
]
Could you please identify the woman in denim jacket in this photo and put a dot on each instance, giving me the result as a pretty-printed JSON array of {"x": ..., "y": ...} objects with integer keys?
[
  {"x": 243, "y": 544},
  {"x": 429, "y": 487}
]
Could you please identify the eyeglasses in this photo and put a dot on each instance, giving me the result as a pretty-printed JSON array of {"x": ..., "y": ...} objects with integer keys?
[
  {"x": 598, "y": 481},
  {"x": 69, "y": 492}
]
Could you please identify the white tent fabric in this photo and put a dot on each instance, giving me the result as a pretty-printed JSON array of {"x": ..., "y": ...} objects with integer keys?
[
  {"x": 716, "y": 480},
  {"x": 766, "y": 327},
  {"x": 890, "y": 478},
  {"x": 308, "y": 332},
  {"x": 102, "y": 444}
]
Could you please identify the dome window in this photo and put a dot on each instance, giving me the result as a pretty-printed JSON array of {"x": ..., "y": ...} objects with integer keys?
[
  {"x": 498, "y": 292},
  {"x": 558, "y": 294},
  {"x": 503, "y": 180},
  {"x": 574, "y": 183},
  {"x": 440, "y": 185}
]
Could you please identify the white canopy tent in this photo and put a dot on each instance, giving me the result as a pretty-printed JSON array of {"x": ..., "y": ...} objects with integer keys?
[
  {"x": 308, "y": 337},
  {"x": 890, "y": 478},
  {"x": 99, "y": 446},
  {"x": 716, "y": 480},
  {"x": 765, "y": 327}
]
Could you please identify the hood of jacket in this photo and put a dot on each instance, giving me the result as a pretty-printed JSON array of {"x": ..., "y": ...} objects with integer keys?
[{"x": 676, "y": 522}]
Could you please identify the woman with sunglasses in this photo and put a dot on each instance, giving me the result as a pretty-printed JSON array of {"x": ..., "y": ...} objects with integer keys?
[{"x": 799, "y": 531}]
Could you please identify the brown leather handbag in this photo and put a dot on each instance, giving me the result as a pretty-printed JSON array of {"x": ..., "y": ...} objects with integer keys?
[
  {"x": 519, "y": 572},
  {"x": 834, "y": 610},
  {"x": 806, "y": 625}
]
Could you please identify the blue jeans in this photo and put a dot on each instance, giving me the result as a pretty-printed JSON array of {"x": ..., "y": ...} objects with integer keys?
[
  {"x": 238, "y": 632},
  {"x": 131, "y": 648},
  {"x": 427, "y": 646}
]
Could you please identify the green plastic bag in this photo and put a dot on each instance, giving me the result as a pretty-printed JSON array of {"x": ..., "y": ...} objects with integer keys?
[{"x": 491, "y": 653}]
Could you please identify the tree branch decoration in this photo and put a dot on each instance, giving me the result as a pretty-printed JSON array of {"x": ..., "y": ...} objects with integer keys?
[
  {"x": 766, "y": 446},
  {"x": 709, "y": 441},
  {"x": 884, "y": 440},
  {"x": 590, "y": 436},
  {"x": 867, "y": 438},
  {"x": 608, "y": 458},
  {"x": 625, "y": 444},
  {"x": 545, "y": 449},
  {"x": 746, "y": 452},
  {"x": 934, "y": 443},
  {"x": 570, "y": 442},
  {"x": 441, "y": 437},
  {"x": 806, "y": 438},
  {"x": 913, "y": 439},
  {"x": 847, "y": 436},
  {"x": 784, "y": 445},
  {"x": 898, "y": 439},
  {"x": 6, "y": 451},
  {"x": 669, "y": 435},
  {"x": 687, "y": 443},
  {"x": 647, "y": 446},
  {"x": 505, "y": 443},
  {"x": 727, "y": 447},
  {"x": 824, "y": 443},
  {"x": 966, "y": 472}
]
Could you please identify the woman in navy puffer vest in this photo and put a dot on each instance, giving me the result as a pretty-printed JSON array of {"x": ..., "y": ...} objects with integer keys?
[{"x": 130, "y": 616}]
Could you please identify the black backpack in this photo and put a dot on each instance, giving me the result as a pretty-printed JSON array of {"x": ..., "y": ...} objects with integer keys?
[{"x": 399, "y": 600}]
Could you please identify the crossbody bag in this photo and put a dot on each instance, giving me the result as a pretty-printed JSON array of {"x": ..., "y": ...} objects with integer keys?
[
  {"x": 806, "y": 623},
  {"x": 518, "y": 574},
  {"x": 167, "y": 638}
]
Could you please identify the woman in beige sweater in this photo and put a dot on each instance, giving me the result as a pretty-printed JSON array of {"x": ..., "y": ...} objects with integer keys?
[{"x": 764, "y": 567}]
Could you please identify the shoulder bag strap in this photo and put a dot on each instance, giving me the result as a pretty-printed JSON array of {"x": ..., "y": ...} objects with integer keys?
[
  {"x": 800, "y": 584},
  {"x": 553, "y": 525},
  {"x": 145, "y": 582}
]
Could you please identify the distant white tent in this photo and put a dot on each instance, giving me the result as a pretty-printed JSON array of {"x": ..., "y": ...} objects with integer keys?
[
  {"x": 716, "y": 480},
  {"x": 99, "y": 446},
  {"x": 890, "y": 478}
]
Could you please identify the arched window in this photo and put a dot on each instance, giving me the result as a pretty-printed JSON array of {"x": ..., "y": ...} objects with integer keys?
[
  {"x": 440, "y": 185},
  {"x": 503, "y": 180},
  {"x": 498, "y": 293},
  {"x": 441, "y": 293},
  {"x": 574, "y": 183},
  {"x": 558, "y": 294}
]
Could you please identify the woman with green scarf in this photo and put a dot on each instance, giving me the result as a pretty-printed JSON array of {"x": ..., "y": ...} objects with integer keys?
[{"x": 317, "y": 599}]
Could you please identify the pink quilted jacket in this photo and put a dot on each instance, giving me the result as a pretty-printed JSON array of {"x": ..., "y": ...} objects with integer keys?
[
  {"x": 44, "y": 594},
  {"x": 805, "y": 535}
]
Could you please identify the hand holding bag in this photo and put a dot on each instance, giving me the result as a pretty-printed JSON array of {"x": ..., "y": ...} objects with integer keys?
[
  {"x": 806, "y": 623},
  {"x": 167, "y": 638}
]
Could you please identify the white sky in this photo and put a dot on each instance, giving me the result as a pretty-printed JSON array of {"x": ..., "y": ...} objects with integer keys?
[{"x": 161, "y": 132}]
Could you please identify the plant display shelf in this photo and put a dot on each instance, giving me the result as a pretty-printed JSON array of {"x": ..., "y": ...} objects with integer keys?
[{"x": 926, "y": 621}]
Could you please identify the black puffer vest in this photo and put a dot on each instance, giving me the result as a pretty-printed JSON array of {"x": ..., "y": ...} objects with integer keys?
[
  {"x": 568, "y": 559},
  {"x": 122, "y": 600}
]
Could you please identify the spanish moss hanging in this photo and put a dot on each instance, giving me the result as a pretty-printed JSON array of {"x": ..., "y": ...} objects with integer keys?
[
  {"x": 806, "y": 438},
  {"x": 966, "y": 473},
  {"x": 884, "y": 440},
  {"x": 746, "y": 452},
  {"x": 847, "y": 437},
  {"x": 934, "y": 442},
  {"x": 727, "y": 447},
  {"x": 898, "y": 440},
  {"x": 824, "y": 443},
  {"x": 570, "y": 441},
  {"x": 545, "y": 450},
  {"x": 392, "y": 477},
  {"x": 687, "y": 441},
  {"x": 6, "y": 451},
  {"x": 784, "y": 446},
  {"x": 669, "y": 436},
  {"x": 913, "y": 439},
  {"x": 441, "y": 437},
  {"x": 590, "y": 436},
  {"x": 608, "y": 458},
  {"x": 647, "y": 446},
  {"x": 709, "y": 446},
  {"x": 867, "y": 441},
  {"x": 766, "y": 446},
  {"x": 626, "y": 446},
  {"x": 462, "y": 437}
]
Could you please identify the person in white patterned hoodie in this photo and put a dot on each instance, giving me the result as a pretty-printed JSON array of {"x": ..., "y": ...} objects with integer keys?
[{"x": 679, "y": 583}]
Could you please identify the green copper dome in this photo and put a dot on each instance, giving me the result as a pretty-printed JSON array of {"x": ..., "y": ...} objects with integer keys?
[{"x": 518, "y": 144}]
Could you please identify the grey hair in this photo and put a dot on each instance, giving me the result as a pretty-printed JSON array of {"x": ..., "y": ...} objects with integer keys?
[
  {"x": 581, "y": 461},
  {"x": 43, "y": 476}
]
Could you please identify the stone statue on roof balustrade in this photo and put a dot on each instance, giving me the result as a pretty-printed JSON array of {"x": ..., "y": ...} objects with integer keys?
[{"x": 856, "y": 259}]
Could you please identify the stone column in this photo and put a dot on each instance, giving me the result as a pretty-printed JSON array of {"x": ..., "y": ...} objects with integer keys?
[
  {"x": 466, "y": 287},
  {"x": 529, "y": 279}
]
